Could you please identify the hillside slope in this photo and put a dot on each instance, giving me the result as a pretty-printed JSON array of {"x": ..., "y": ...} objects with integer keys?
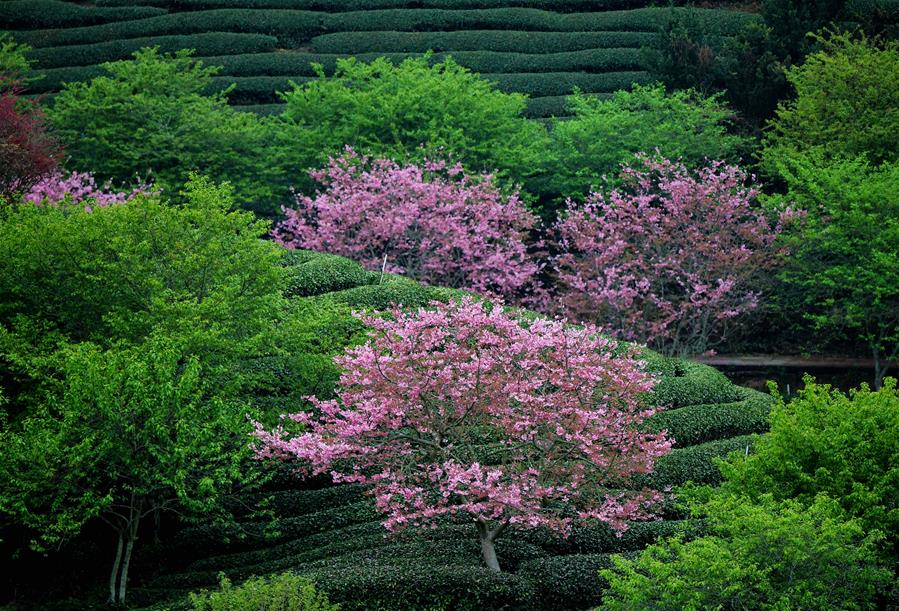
[
  {"x": 538, "y": 47},
  {"x": 333, "y": 534}
]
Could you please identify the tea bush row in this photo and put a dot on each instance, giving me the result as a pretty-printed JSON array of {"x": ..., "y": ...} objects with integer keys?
[
  {"x": 35, "y": 14},
  {"x": 294, "y": 28}
]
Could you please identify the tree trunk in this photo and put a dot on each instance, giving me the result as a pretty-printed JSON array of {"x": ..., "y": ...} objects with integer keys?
[
  {"x": 488, "y": 551},
  {"x": 115, "y": 571},
  {"x": 123, "y": 583}
]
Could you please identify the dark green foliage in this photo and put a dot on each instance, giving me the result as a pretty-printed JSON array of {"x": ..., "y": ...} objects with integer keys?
[
  {"x": 564, "y": 83},
  {"x": 263, "y": 110},
  {"x": 473, "y": 40},
  {"x": 395, "y": 291},
  {"x": 334, "y": 6},
  {"x": 550, "y": 106},
  {"x": 694, "y": 464},
  {"x": 295, "y": 503},
  {"x": 35, "y": 14},
  {"x": 285, "y": 592},
  {"x": 207, "y": 43},
  {"x": 313, "y": 273},
  {"x": 294, "y": 28},
  {"x": 698, "y": 384},
  {"x": 701, "y": 423},
  {"x": 567, "y": 582},
  {"x": 597, "y": 538}
]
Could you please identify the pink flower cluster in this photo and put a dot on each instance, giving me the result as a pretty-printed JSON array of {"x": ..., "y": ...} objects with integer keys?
[
  {"x": 463, "y": 410},
  {"x": 434, "y": 224},
  {"x": 667, "y": 260},
  {"x": 77, "y": 188}
]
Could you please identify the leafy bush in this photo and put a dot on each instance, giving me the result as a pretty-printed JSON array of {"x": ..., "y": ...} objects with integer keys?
[
  {"x": 315, "y": 273},
  {"x": 206, "y": 43},
  {"x": 285, "y": 592},
  {"x": 847, "y": 104},
  {"x": 433, "y": 224},
  {"x": 825, "y": 442},
  {"x": 606, "y": 133},
  {"x": 761, "y": 555},
  {"x": 668, "y": 260},
  {"x": 843, "y": 273},
  {"x": 111, "y": 126},
  {"x": 391, "y": 111},
  {"x": 383, "y": 295},
  {"x": 510, "y": 41}
]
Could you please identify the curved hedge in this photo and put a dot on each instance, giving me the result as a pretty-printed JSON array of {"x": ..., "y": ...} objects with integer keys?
[
  {"x": 34, "y": 14},
  {"x": 294, "y": 27},
  {"x": 475, "y": 40},
  {"x": 313, "y": 273},
  {"x": 206, "y": 43},
  {"x": 694, "y": 384},
  {"x": 563, "y": 83},
  {"x": 254, "y": 89}
]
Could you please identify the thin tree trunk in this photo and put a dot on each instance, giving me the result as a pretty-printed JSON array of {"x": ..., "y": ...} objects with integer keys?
[
  {"x": 115, "y": 570},
  {"x": 488, "y": 550},
  {"x": 123, "y": 584},
  {"x": 878, "y": 370}
]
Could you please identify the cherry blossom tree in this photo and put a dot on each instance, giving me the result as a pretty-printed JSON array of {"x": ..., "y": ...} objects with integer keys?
[
  {"x": 463, "y": 412},
  {"x": 432, "y": 223},
  {"x": 667, "y": 260},
  {"x": 78, "y": 187}
]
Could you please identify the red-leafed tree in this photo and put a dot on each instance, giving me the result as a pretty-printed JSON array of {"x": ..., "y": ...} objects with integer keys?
[
  {"x": 27, "y": 151},
  {"x": 462, "y": 411}
]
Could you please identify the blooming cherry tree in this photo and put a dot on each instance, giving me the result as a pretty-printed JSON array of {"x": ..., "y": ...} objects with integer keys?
[
  {"x": 77, "y": 187},
  {"x": 668, "y": 259},
  {"x": 467, "y": 413},
  {"x": 432, "y": 223}
]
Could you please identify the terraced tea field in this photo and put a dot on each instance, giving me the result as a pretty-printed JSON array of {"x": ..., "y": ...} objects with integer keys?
[{"x": 537, "y": 47}]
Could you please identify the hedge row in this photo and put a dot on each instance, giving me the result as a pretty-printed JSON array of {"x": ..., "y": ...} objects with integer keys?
[
  {"x": 697, "y": 384},
  {"x": 263, "y": 109},
  {"x": 601, "y": 539},
  {"x": 567, "y": 582},
  {"x": 563, "y": 83},
  {"x": 393, "y": 291},
  {"x": 314, "y": 273},
  {"x": 215, "y": 538},
  {"x": 475, "y": 40},
  {"x": 336, "y": 6},
  {"x": 34, "y": 14},
  {"x": 693, "y": 464},
  {"x": 295, "y": 503},
  {"x": 254, "y": 89},
  {"x": 591, "y": 60},
  {"x": 208, "y": 43},
  {"x": 294, "y": 28},
  {"x": 702, "y": 423}
]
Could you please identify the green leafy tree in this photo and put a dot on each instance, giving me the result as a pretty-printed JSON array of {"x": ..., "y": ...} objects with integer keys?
[
  {"x": 408, "y": 112},
  {"x": 760, "y": 554},
  {"x": 150, "y": 118},
  {"x": 199, "y": 271},
  {"x": 846, "y": 104},
  {"x": 14, "y": 64},
  {"x": 604, "y": 134},
  {"x": 843, "y": 270},
  {"x": 827, "y": 442},
  {"x": 128, "y": 432}
]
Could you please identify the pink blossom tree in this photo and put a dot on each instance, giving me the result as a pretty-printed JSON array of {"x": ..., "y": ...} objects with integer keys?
[
  {"x": 467, "y": 413},
  {"x": 669, "y": 259},
  {"x": 432, "y": 223},
  {"x": 78, "y": 188}
]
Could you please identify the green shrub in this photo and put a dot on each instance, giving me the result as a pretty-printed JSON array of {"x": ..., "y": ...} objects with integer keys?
[
  {"x": 567, "y": 582},
  {"x": 695, "y": 464},
  {"x": 697, "y": 385},
  {"x": 246, "y": 90},
  {"x": 761, "y": 555},
  {"x": 383, "y": 296},
  {"x": 263, "y": 110},
  {"x": 208, "y": 43},
  {"x": 697, "y": 424},
  {"x": 388, "y": 110},
  {"x": 285, "y": 592},
  {"x": 605, "y": 133},
  {"x": 825, "y": 442},
  {"x": 473, "y": 40},
  {"x": 599, "y": 538},
  {"x": 35, "y": 14},
  {"x": 846, "y": 104},
  {"x": 111, "y": 126},
  {"x": 313, "y": 273}
]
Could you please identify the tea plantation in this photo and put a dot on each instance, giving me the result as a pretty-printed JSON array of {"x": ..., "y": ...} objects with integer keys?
[
  {"x": 538, "y": 47},
  {"x": 333, "y": 534}
]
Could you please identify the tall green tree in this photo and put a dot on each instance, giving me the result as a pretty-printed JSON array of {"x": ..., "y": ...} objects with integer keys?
[{"x": 151, "y": 118}]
